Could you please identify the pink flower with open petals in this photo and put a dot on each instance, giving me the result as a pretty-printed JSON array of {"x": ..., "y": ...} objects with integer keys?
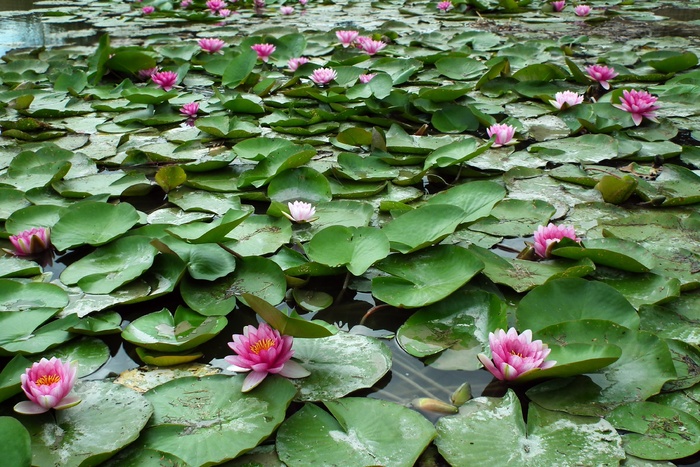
[
  {"x": 371, "y": 46},
  {"x": 211, "y": 45},
  {"x": 366, "y": 78},
  {"x": 639, "y": 103},
  {"x": 263, "y": 50},
  {"x": 559, "y": 5},
  {"x": 582, "y": 10},
  {"x": 515, "y": 355},
  {"x": 263, "y": 351},
  {"x": 323, "y": 76},
  {"x": 47, "y": 384},
  {"x": 286, "y": 10},
  {"x": 294, "y": 63},
  {"x": 300, "y": 212},
  {"x": 31, "y": 242},
  {"x": 190, "y": 109},
  {"x": 347, "y": 38},
  {"x": 165, "y": 79},
  {"x": 445, "y": 6},
  {"x": 503, "y": 133},
  {"x": 566, "y": 99},
  {"x": 147, "y": 10},
  {"x": 602, "y": 74},
  {"x": 547, "y": 237},
  {"x": 215, "y": 5},
  {"x": 225, "y": 13}
]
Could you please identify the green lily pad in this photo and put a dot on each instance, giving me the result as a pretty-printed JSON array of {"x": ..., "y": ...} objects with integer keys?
[
  {"x": 13, "y": 266},
  {"x": 111, "y": 266},
  {"x": 290, "y": 325},
  {"x": 515, "y": 218},
  {"x": 108, "y": 418},
  {"x": 423, "y": 227},
  {"x": 477, "y": 198},
  {"x": 92, "y": 223},
  {"x": 547, "y": 438},
  {"x": 164, "y": 332},
  {"x": 10, "y": 382},
  {"x": 424, "y": 277},
  {"x": 456, "y": 327},
  {"x": 339, "y": 365},
  {"x": 357, "y": 248},
  {"x": 612, "y": 252},
  {"x": 29, "y": 296},
  {"x": 346, "y": 436},
  {"x": 209, "y": 298},
  {"x": 570, "y": 300},
  {"x": 655, "y": 431},
  {"x": 15, "y": 437},
  {"x": 222, "y": 424}
]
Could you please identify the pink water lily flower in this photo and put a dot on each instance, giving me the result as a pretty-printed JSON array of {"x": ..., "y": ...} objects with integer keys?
[
  {"x": 263, "y": 50},
  {"x": 582, "y": 10},
  {"x": 515, "y": 355},
  {"x": 323, "y": 76},
  {"x": 294, "y": 63},
  {"x": 148, "y": 72},
  {"x": 286, "y": 10},
  {"x": 445, "y": 6},
  {"x": 263, "y": 351},
  {"x": 559, "y": 5},
  {"x": 566, "y": 99},
  {"x": 640, "y": 104},
  {"x": 190, "y": 109},
  {"x": 31, "y": 242},
  {"x": 225, "y": 13},
  {"x": 165, "y": 79},
  {"x": 347, "y": 38},
  {"x": 147, "y": 10},
  {"x": 371, "y": 46},
  {"x": 547, "y": 237},
  {"x": 601, "y": 74},
  {"x": 300, "y": 212},
  {"x": 47, "y": 384},
  {"x": 366, "y": 78},
  {"x": 185, "y": 3},
  {"x": 211, "y": 45},
  {"x": 303, "y": 2},
  {"x": 503, "y": 134},
  {"x": 215, "y": 5}
]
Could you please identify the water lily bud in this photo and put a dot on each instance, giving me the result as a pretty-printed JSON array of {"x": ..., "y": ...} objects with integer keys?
[
  {"x": 434, "y": 405},
  {"x": 461, "y": 395}
]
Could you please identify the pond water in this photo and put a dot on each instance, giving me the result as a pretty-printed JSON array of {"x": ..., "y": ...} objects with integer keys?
[{"x": 49, "y": 24}]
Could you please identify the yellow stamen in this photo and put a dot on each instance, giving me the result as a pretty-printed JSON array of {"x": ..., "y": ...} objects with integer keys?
[
  {"x": 513, "y": 352},
  {"x": 48, "y": 380},
  {"x": 262, "y": 345}
]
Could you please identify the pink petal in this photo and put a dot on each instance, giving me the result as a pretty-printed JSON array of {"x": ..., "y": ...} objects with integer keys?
[
  {"x": 252, "y": 380},
  {"x": 292, "y": 369},
  {"x": 29, "y": 408}
]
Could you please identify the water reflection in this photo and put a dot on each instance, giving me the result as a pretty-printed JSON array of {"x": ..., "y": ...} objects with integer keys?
[{"x": 24, "y": 26}]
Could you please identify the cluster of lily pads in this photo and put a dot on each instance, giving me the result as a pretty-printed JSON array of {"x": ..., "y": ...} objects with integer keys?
[{"x": 249, "y": 175}]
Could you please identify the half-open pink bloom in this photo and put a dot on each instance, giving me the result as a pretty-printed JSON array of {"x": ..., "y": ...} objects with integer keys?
[
  {"x": 371, "y": 46},
  {"x": 602, "y": 74},
  {"x": 445, "y": 6},
  {"x": 47, "y": 384},
  {"x": 211, "y": 45},
  {"x": 263, "y": 50},
  {"x": 215, "y": 5},
  {"x": 31, "y": 242},
  {"x": 582, "y": 10},
  {"x": 148, "y": 72},
  {"x": 300, "y": 212},
  {"x": 263, "y": 351},
  {"x": 303, "y": 2},
  {"x": 147, "y": 10},
  {"x": 185, "y": 3},
  {"x": 559, "y": 5},
  {"x": 503, "y": 133},
  {"x": 366, "y": 78},
  {"x": 347, "y": 38},
  {"x": 639, "y": 103},
  {"x": 190, "y": 109},
  {"x": 566, "y": 99},
  {"x": 323, "y": 75},
  {"x": 286, "y": 10},
  {"x": 165, "y": 79},
  {"x": 547, "y": 237},
  {"x": 225, "y": 13},
  {"x": 515, "y": 355},
  {"x": 294, "y": 63}
]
